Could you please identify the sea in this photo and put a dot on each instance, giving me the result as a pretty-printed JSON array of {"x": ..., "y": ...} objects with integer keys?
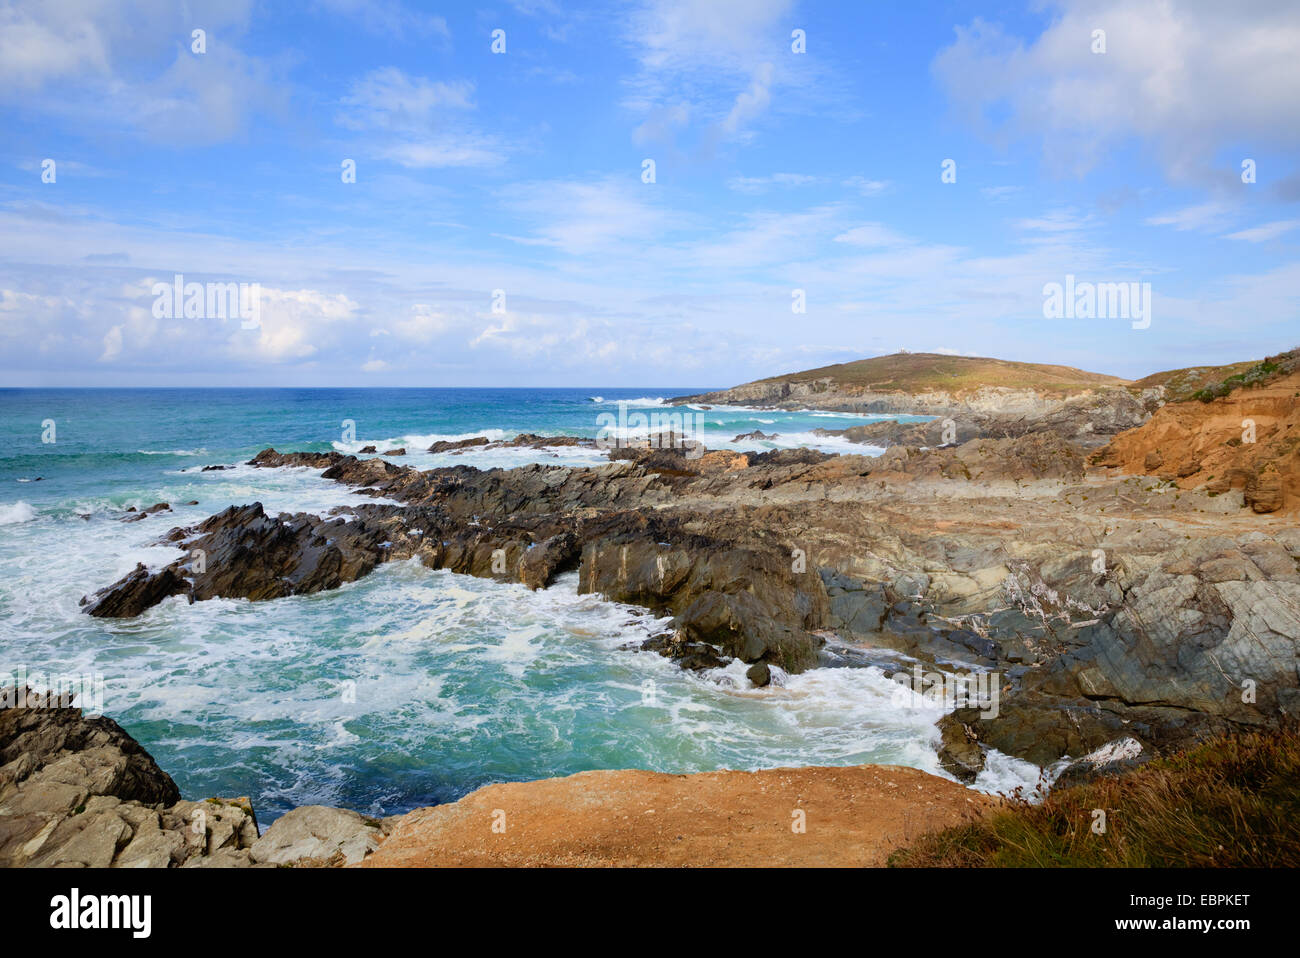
[{"x": 410, "y": 687}]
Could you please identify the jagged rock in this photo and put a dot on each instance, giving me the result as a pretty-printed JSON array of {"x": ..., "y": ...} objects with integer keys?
[
  {"x": 1112, "y": 758},
  {"x": 540, "y": 563},
  {"x": 81, "y": 793},
  {"x": 400, "y": 451},
  {"x": 959, "y": 750},
  {"x": 250, "y": 555},
  {"x": 1099, "y": 601},
  {"x": 138, "y": 590},
  {"x": 444, "y": 445},
  {"x": 539, "y": 442},
  {"x": 692, "y": 656},
  {"x": 43, "y": 746},
  {"x": 318, "y": 832}
]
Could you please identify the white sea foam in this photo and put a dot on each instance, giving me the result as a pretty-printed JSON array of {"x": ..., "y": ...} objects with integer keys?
[
  {"x": 793, "y": 440},
  {"x": 443, "y": 668},
  {"x": 16, "y": 512},
  {"x": 638, "y": 401}
]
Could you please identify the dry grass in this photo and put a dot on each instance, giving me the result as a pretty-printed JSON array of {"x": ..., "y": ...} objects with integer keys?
[
  {"x": 912, "y": 372},
  {"x": 1231, "y": 802}
]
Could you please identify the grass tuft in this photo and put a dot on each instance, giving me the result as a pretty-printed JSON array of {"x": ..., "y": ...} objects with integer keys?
[{"x": 1232, "y": 802}]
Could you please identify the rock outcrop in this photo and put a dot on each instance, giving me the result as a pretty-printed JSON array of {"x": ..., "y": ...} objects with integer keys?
[
  {"x": 1246, "y": 439},
  {"x": 985, "y": 398},
  {"x": 822, "y": 817},
  {"x": 79, "y": 792},
  {"x": 1107, "y": 605}
]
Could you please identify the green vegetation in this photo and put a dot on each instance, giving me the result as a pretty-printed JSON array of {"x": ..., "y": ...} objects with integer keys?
[
  {"x": 1260, "y": 373},
  {"x": 1183, "y": 384},
  {"x": 1232, "y": 802},
  {"x": 921, "y": 372},
  {"x": 914, "y": 372}
]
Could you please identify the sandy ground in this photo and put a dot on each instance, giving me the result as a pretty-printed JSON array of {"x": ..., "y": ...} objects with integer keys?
[{"x": 851, "y": 816}]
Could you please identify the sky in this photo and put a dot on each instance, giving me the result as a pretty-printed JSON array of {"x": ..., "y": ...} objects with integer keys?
[{"x": 912, "y": 174}]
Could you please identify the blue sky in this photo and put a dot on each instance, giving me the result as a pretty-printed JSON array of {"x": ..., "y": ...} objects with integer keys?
[{"x": 522, "y": 171}]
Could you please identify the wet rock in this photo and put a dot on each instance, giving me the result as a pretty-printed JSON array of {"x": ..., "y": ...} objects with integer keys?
[
  {"x": 959, "y": 750},
  {"x": 251, "y": 555},
  {"x": 444, "y": 445},
  {"x": 534, "y": 441},
  {"x": 692, "y": 656},
  {"x": 540, "y": 563},
  {"x": 400, "y": 451},
  {"x": 985, "y": 554},
  {"x": 1114, "y": 757},
  {"x": 760, "y": 674},
  {"x": 138, "y": 590}
]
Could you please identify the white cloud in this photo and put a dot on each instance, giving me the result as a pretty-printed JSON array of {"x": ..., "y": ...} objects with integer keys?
[
  {"x": 1209, "y": 215},
  {"x": 999, "y": 192},
  {"x": 872, "y": 234},
  {"x": 1268, "y": 231},
  {"x": 712, "y": 60},
  {"x": 417, "y": 122},
  {"x": 1186, "y": 77},
  {"x": 295, "y": 324},
  {"x": 689, "y": 34},
  {"x": 425, "y": 324},
  {"x": 112, "y": 344},
  {"x": 866, "y": 186},
  {"x": 760, "y": 184},
  {"x": 751, "y": 102},
  {"x": 1055, "y": 221},
  {"x": 583, "y": 217},
  {"x": 388, "y": 99},
  {"x": 130, "y": 65},
  {"x": 389, "y": 17}
]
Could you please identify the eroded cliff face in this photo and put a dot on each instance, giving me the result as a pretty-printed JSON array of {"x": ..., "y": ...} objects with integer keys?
[{"x": 1248, "y": 440}]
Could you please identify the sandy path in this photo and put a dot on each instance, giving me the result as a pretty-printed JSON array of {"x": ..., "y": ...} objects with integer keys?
[{"x": 854, "y": 816}]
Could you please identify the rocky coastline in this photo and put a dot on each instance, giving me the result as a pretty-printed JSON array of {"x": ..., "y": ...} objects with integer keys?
[{"x": 1124, "y": 607}]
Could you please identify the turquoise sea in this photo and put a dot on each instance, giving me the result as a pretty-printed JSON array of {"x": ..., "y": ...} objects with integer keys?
[{"x": 409, "y": 687}]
